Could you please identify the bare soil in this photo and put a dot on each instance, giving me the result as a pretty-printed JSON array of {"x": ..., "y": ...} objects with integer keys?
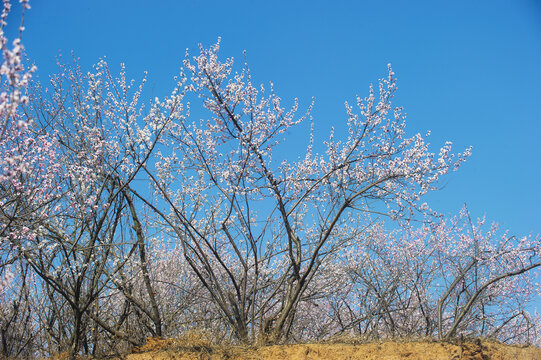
[{"x": 195, "y": 347}]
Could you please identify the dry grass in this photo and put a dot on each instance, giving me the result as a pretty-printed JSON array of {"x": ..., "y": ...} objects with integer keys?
[{"x": 197, "y": 346}]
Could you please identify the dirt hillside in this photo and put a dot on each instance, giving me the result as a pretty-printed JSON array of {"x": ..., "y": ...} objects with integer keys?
[{"x": 198, "y": 349}]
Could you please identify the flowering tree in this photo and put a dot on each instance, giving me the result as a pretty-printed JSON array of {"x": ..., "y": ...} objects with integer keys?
[
  {"x": 483, "y": 288},
  {"x": 256, "y": 229},
  {"x": 15, "y": 142},
  {"x": 93, "y": 227},
  {"x": 442, "y": 279},
  {"x": 27, "y": 162}
]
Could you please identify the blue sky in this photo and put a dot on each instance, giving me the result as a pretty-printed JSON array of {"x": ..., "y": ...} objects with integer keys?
[{"x": 469, "y": 71}]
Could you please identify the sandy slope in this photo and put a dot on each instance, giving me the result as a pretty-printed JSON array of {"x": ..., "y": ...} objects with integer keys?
[{"x": 182, "y": 350}]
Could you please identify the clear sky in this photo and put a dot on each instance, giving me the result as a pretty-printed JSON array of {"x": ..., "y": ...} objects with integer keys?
[{"x": 469, "y": 71}]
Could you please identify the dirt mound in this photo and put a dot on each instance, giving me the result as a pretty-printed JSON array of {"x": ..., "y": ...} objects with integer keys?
[{"x": 199, "y": 348}]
